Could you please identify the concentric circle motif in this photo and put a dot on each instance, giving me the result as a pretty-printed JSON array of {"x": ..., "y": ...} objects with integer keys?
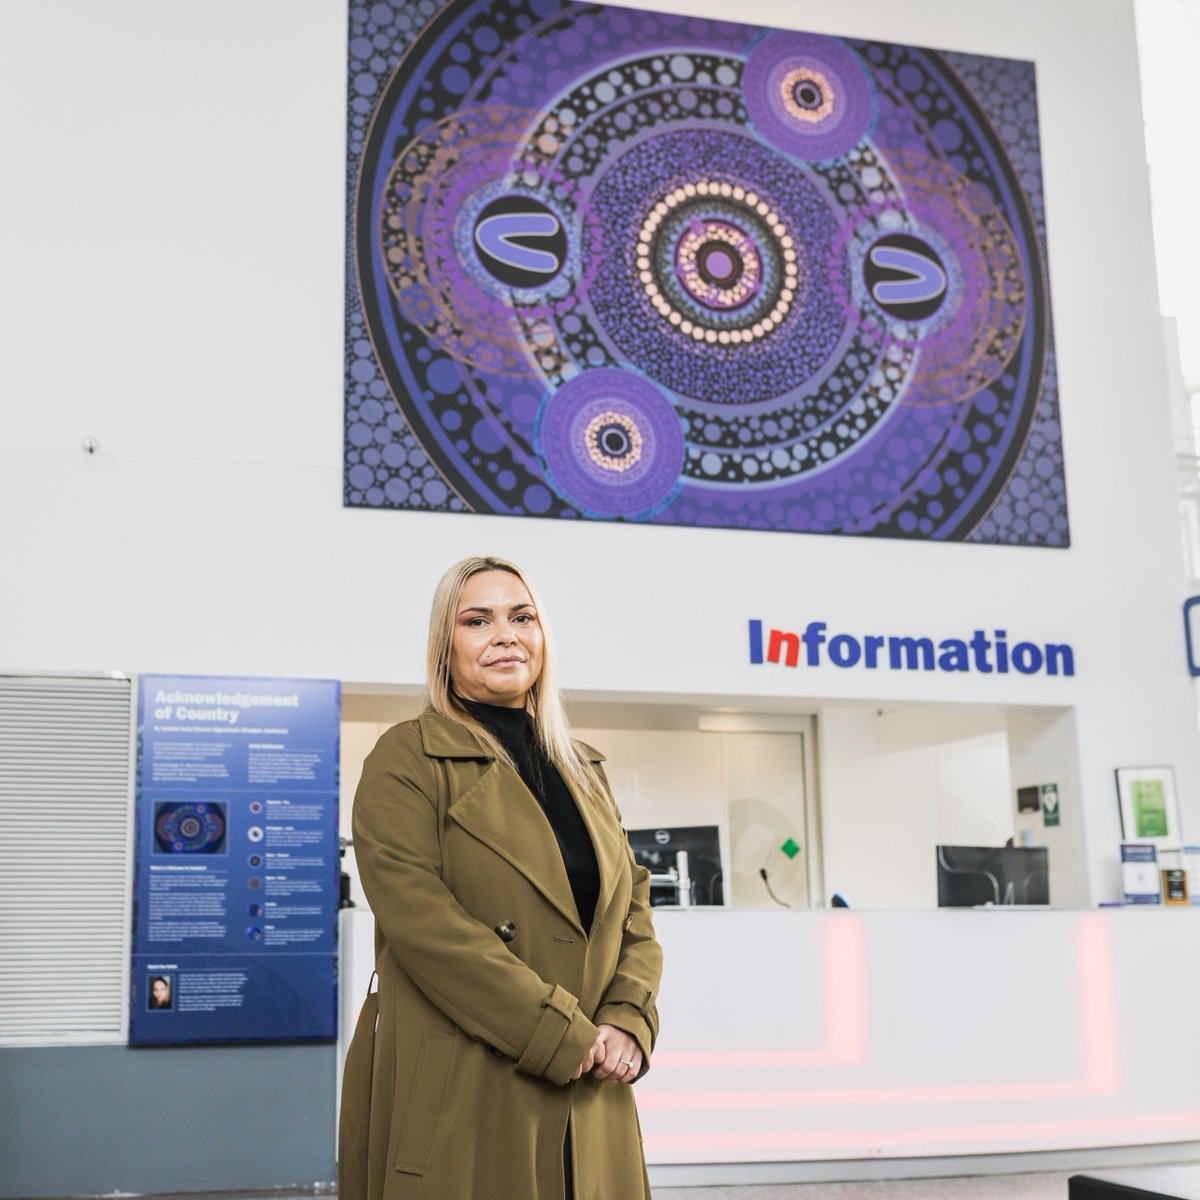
[
  {"x": 808, "y": 95},
  {"x": 718, "y": 264},
  {"x": 611, "y": 443},
  {"x": 942, "y": 272},
  {"x": 189, "y": 828},
  {"x": 705, "y": 284},
  {"x": 461, "y": 234},
  {"x": 700, "y": 264}
]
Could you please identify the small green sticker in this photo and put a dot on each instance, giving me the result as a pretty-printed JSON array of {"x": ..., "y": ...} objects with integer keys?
[
  {"x": 790, "y": 848},
  {"x": 1049, "y": 797}
]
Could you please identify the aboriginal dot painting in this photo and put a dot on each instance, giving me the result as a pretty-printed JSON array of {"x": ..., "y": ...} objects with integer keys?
[{"x": 608, "y": 264}]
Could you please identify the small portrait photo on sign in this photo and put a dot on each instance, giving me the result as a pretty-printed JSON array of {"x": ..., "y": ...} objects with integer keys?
[{"x": 160, "y": 992}]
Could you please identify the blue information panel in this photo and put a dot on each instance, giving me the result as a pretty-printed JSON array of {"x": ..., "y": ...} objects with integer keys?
[{"x": 236, "y": 861}]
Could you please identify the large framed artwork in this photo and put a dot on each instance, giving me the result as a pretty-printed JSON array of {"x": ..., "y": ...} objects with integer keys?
[{"x": 610, "y": 264}]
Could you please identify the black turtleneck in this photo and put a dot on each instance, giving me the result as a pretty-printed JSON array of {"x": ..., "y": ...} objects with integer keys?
[{"x": 513, "y": 729}]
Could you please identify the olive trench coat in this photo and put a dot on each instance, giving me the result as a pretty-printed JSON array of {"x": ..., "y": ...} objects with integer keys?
[{"x": 490, "y": 991}]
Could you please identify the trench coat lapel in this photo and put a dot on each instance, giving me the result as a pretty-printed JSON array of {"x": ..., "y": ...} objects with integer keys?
[
  {"x": 608, "y": 839},
  {"x": 501, "y": 812}
]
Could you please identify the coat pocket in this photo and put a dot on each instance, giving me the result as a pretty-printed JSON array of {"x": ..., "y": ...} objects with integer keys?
[{"x": 424, "y": 1101}]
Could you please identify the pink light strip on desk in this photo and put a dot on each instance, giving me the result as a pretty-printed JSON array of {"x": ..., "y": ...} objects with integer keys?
[
  {"x": 866, "y": 1141},
  {"x": 1098, "y": 1030},
  {"x": 844, "y": 976},
  {"x": 829, "y": 1097},
  {"x": 844, "y": 1010}
]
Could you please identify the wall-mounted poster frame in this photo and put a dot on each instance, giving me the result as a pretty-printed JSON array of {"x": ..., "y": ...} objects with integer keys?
[
  {"x": 1191, "y": 632},
  {"x": 236, "y": 864},
  {"x": 1149, "y": 806}
]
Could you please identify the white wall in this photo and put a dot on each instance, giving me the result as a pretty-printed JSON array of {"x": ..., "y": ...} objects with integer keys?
[
  {"x": 1041, "y": 751},
  {"x": 900, "y": 783},
  {"x": 172, "y": 247}
]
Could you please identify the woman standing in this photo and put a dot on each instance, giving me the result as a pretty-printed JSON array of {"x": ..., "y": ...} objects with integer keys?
[{"x": 517, "y": 962}]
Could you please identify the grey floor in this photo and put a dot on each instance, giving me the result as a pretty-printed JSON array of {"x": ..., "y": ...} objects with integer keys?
[
  {"x": 1181, "y": 1180},
  {"x": 1047, "y": 1186},
  {"x": 994, "y": 1187}
]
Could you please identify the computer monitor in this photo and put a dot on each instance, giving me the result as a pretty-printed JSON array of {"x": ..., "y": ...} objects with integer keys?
[
  {"x": 969, "y": 876},
  {"x": 656, "y": 850}
]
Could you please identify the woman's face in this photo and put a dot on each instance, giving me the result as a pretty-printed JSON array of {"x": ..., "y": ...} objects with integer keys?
[
  {"x": 496, "y": 648},
  {"x": 160, "y": 991}
]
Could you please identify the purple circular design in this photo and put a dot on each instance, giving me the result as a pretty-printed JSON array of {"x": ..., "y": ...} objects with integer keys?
[
  {"x": 189, "y": 829},
  {"x": 611, "y": 444},
  {"x": 718, "y": 264},
  {"x": 808, "y": 96},
  {"x": 759, "y": 368},
  {"x": 971, "y": 338},
  {"x": 437, "y": 187},
  {"x": 847, "y": 416}
]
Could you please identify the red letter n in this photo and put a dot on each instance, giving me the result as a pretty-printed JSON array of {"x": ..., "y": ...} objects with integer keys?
[{"x": 777, "y": 641}]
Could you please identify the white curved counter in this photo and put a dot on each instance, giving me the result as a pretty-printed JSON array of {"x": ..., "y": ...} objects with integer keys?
[
  {"x": 797, "y": 1036},
  {"x": 822, "y": 1035}
]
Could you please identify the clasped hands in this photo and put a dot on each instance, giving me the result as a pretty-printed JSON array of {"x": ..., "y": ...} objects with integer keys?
[{"x": 613, "y": 1055}]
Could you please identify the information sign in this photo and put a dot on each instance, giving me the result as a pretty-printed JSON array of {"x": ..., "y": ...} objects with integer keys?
[{"x": 236, "y": 861}]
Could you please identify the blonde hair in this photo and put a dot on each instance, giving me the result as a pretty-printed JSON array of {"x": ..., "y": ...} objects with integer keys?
[{"x": 544, "y": 704}]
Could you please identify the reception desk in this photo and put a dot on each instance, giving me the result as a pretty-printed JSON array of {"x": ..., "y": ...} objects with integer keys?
[{"x": 812, "y": 1036}]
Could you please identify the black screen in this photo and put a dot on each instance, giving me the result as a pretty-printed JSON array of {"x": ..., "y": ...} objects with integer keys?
[
  {"x": 655, "y": 849},
  {"x": 972, "y": 875}
]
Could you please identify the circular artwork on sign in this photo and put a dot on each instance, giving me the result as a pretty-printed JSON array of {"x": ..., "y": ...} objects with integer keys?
[{"x": 191, "y": 828}]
